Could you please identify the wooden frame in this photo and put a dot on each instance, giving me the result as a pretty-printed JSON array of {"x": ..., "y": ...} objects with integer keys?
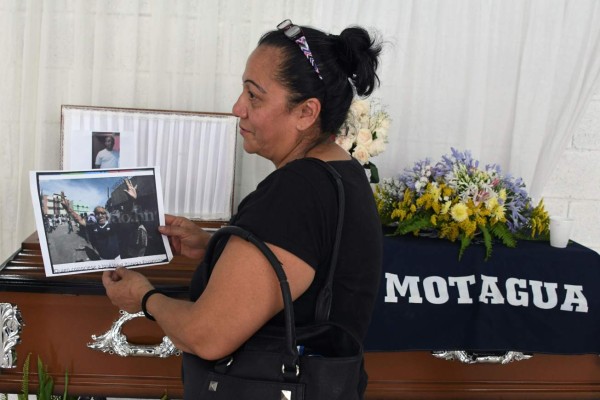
[{"x": 195, "y": 152}]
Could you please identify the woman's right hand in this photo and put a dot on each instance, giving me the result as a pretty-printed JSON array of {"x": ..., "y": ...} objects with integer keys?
[{"x": 186, "y": 238}]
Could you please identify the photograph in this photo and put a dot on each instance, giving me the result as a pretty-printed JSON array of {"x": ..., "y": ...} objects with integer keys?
[
  {"x": 105, "y": 150},
  {"x": 99, "y": 219}
]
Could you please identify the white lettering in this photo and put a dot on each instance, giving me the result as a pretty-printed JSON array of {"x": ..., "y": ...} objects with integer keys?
[
  {"x": 515, "y": 297},
  {"x": 544, "y": 295},
  {"x": 433, "y": 284},
  {"x": 462, "y": 283},
  {"x": 489, "y": 288},
  {"x": 538, "y": 297},
  {"x": 410, "y": 283},
  {"x": 574, "y": 296}
]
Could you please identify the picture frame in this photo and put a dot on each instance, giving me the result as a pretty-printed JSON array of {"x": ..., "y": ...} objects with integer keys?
[
  {"x": 194, "y": 151},
  {"x": 95, "y": 220}
]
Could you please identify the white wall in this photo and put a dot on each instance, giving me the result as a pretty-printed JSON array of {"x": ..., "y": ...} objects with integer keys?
[{"x": 574, "y": 188}]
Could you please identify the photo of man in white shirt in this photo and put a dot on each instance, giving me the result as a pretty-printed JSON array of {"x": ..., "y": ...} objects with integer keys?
[{"x": 107, "y": 157}]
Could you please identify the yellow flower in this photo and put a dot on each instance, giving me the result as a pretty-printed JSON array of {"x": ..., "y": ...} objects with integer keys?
[
  {"x": 446, "y": 191},
  {"x": 445, "y": 207},
  {"x": 399, "y": 214},
  {"x": 434, "y": 191},
  {"x": 459, "y": 212},
  {"x": 491, "y": 203},
  {"x": 498, "y": 213},
  {"x": 502, "y": 194},
  {"x": 433, "y": 220},
  {"x": 469, "y": 227}
]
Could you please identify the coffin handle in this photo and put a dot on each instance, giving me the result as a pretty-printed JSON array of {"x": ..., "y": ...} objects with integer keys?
[
  {"x": 10, "y": 334},
  {"x": 115, "y": 342},
  {"x": 467, "y": 357}
]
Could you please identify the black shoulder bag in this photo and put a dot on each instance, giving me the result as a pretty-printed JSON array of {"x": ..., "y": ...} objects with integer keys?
[{"x": 322, "y": 360}]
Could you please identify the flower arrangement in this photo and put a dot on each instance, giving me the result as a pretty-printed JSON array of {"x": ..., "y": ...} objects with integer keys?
[
  {"x": 364, "y": 133},
  {"x": 455, "y": 199}
]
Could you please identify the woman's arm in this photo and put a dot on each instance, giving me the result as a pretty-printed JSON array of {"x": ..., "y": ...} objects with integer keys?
[{"x": 242, "y": 295}]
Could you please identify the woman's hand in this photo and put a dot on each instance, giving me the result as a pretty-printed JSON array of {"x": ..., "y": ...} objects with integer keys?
[
  {"x": 186, "y": 238},
  {"x": 125, "y": 288}
]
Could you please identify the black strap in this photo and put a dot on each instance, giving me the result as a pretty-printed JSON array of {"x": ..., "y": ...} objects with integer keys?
[
  {"x": 324, "y": 298},
  {"x": 291, "y": 355}
]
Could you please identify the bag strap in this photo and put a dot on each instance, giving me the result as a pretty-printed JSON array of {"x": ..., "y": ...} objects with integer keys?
[
  {"x": 290, "y": 363},
  {"x": 324, "y": 298}
]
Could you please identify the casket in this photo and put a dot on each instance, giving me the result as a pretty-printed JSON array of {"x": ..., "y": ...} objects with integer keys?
[{"x": 61, "y": 314}]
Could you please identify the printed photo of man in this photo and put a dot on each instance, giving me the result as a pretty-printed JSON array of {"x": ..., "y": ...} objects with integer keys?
[{"x": 108, "y": 156}]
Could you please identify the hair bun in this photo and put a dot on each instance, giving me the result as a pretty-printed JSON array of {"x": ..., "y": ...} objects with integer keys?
[
  {"x": 345, "y": 55},
  {"x": 358, "y": 57}
]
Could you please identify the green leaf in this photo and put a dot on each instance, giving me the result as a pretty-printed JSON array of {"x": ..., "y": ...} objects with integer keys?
[
  {"x": 464, "y": 243},
  {"x": 25, "y": 383},
  {"x": 374, "y": 173},
  {"x": 487, "y": 241},
  {"x": 65, "y": 395},
  {"x": 418, "y": 222},
  {"x": 502, "y": 232},
  {"x": 46, "y": 383},
  {"x": 542, "y": 237}
]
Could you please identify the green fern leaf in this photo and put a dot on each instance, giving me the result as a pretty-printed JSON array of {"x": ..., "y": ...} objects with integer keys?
[
  {"x": 464, "y": 243},
  {"x": 487, "y": 241},
  {"x": 416, "y": 223},
  {"x": 502, "y": 232},
  {"x": 25, "y": 383}
]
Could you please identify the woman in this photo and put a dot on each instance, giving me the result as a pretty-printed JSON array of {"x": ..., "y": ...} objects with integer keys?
[{"x": 290, "y": 108}]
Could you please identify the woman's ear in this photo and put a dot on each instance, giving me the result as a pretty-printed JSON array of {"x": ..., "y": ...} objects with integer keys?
[{"x": 308, "y": 113}]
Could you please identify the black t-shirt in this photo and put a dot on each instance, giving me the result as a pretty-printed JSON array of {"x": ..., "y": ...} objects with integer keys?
[
  {"x": 295, "y": 208},
  {"x": 105, "y": 240}
]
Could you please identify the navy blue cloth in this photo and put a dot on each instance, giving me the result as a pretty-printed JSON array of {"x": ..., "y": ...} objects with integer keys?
[{"x": 439, "y": 318}]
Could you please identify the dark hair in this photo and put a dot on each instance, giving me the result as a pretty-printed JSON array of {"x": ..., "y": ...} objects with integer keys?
[{"x": 347, "y": 63}]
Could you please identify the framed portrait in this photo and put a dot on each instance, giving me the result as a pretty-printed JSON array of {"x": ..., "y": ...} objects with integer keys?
[
  {"x": 194, "y": 152},
  {"x": 93, "y": 220}
]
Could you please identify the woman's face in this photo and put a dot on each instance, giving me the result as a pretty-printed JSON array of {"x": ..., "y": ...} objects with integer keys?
[{"x": 266, "y": 124}]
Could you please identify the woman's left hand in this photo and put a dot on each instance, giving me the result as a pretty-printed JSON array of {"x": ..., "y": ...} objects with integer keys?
[{"x": 125, "y": 288}]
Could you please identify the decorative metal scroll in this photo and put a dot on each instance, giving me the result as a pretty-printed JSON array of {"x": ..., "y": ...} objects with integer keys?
[
  {"x": 487, "y": 358},
  {"x": 10, "y": 317},
  {"x": 114, "y": 342}
]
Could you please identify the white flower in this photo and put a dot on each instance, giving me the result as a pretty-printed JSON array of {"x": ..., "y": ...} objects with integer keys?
[
  {"x": 376, "y": 147},
  {"x": 361, "y": 153},
  {"x": 365, "y": 131},
  {"x": 381, "y": 133},
  {"x": 364, "y": 137},
  {"x": 345, "y": 142},
  {"x": 360, "y": 108},
  {"x": 384, "y": 124},
  {"x": 364, "y": 121}
]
